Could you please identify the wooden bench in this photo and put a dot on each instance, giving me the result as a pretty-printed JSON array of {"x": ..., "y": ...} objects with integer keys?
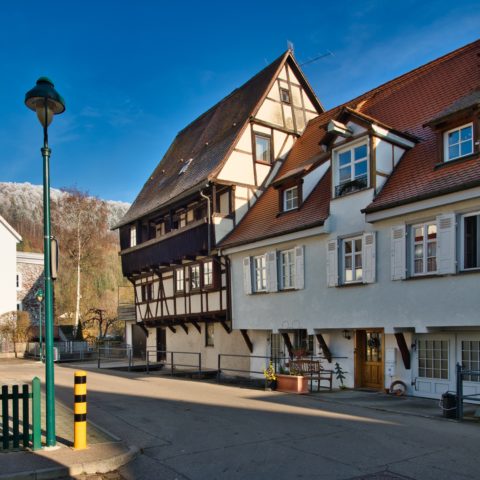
[{"x": 312, "y": 369}]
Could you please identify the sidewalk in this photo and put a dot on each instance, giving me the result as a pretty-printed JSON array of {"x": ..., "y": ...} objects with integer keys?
[{"x": 105, "y": 453}]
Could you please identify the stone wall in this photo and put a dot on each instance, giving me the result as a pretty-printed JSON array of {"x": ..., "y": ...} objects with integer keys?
[{"x": 31, "y": 282}]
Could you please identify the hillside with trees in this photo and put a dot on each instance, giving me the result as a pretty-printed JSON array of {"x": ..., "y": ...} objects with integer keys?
[{"x": 89, "y": 265}]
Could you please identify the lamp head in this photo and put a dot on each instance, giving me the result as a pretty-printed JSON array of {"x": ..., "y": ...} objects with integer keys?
[
  {"x": 39, "y": 295},
  {"x": 45, "y": 101}
]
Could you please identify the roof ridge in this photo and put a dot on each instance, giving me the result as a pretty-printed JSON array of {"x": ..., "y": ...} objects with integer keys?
[
  {"x": 398, "y": 81},
  {"x": 234, "y": 91}
]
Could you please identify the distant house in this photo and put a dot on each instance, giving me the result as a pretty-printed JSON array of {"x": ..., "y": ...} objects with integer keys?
[
  {"x": 365, "y": 248},
  {"x": 9, "y": 239},
  {"x": 28, "y": 281},
  {"x": 210, "y": 177}
]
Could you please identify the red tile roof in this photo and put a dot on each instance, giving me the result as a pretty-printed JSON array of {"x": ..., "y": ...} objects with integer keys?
[{"x": 406, "y": 103}]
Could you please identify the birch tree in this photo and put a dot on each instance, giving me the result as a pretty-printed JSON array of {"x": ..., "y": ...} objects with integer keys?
[{"x": 82, "y": 221}]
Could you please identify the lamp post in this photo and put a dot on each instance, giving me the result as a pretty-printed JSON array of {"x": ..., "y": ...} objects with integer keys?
[
  {"x": 47, "y": 102},
  {"x": 39, "y": 296}
]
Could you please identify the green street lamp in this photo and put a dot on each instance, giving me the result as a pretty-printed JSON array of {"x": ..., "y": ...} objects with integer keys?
[{"x": 47, "y": 102}]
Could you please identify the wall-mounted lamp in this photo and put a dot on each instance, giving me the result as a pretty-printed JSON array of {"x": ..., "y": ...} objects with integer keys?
[{"x": 347, "y": 335}]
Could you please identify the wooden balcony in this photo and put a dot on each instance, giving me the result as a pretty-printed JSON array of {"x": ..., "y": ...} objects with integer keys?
[{"x": 170, "y": 248}]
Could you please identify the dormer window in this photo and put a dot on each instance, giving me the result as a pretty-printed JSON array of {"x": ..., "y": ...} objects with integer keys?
[
  {"x": 290, "y": 198},
  {"x": 263, "y": 151},
  {"x": 458, "y": 142},
  {"x": 351, "y": 169}
]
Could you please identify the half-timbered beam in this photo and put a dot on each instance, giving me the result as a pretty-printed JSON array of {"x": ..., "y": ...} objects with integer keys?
[
  {"x": 227, "y": 327},
  {"x": 185, "y": 328},
  {"x": 323, "y": 345},
  {"x": 288, "y": 344},
  {"x": 143, "y": 327},
  {"x": 402, "y": 345},
  {"x": 172, "y": 329},
  {"x": 247, "y": 340},
  {"x": 196, "y": 325}
]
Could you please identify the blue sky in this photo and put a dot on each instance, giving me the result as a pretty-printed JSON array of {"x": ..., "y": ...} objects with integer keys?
[{"x": 133, "y": 73}]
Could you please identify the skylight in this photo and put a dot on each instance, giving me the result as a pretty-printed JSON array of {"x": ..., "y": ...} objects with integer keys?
[{"x": 185, "y": 166}]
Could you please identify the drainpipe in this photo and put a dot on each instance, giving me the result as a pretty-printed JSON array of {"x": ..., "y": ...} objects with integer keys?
[{"x": 209, "y": 215}]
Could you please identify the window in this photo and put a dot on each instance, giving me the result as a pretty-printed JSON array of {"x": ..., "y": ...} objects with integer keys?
[
  {"x": 179, "y": 280},
  {"x": 458, "y": 142},
  {"x": 284, "y": 95},
  {"x": 352, "y": 260},
  {"x": 471, "y": 241},
  {"x": 160, "y": 229},
  {"x": 290, "y": 199},
  {"x": 471, "y": 359},
  {"x": 185, "y": 166},
  {"x": 260, "y": 273},
  {"x": 424, "y": 248},
  {"x": 433, "y": 358},
  {"x": 19, "y": 306},
  {"x": 209, "y": 334},
  {"x": 133, "y": 236},
  {"x": 287, "y": 269},
  {"x": 194, "y": 277},
  {"x": 208, "y": 273},
  {"x": 147, "y": 292},
  {"x": 262, "y": 148},
  {"x": 351, "y": 170},
  {"x": 19, "y": 281}
]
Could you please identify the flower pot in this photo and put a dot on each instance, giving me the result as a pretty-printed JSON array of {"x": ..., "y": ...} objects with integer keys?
[
  {"x": 271, "y": 385},
  {"x": 292, "y": 383}
]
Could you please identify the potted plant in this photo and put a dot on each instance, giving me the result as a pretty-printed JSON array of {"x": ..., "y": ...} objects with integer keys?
[
  {"x": 294, "y": 382},
  {"x": 270, "y": 377}
]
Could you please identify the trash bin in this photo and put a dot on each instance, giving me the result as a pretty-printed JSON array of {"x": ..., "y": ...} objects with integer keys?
[{"x": 449, "y": 405}]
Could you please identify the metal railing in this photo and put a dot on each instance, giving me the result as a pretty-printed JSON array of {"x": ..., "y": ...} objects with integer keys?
[
  {"x": 167, "y": 358},
  {"x": 115, "y": 355},
  {"x": 279, "y": 365},
  {"x": 16, "y": 425},
  {"x": 462, "y": 375}
]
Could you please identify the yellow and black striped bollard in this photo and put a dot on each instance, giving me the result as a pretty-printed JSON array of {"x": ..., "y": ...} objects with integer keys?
[{"x": 80, "y": 411}]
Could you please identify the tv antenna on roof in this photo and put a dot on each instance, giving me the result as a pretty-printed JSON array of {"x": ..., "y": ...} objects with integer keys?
[{"x": 318, "y": 57}]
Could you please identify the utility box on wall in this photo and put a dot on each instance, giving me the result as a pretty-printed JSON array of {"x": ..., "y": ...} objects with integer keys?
[{"x": 390, "y": 361}]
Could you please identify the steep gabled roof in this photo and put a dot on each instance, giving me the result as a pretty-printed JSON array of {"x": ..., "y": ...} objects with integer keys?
[
  {"x": 207, "y": 141},
  {"x": 406, "y": 104},
  {"x": 10, "y": 229}
]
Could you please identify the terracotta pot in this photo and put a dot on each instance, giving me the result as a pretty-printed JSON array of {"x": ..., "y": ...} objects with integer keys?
[{"x": 292, "y": 383}]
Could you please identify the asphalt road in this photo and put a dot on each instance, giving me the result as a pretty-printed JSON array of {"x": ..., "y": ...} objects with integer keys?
[{"x": 198, "y": 430}]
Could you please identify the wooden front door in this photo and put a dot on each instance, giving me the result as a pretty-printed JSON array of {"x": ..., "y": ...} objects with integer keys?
[
  {"x": 161, "y": 344},
  {"x": 369, "y": 368}
]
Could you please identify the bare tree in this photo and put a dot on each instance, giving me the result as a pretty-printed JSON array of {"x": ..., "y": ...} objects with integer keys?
[
  {"x": 101, "y": 321},
  {"x": 83, "y": 222},
  {"x": 15, "y": 327}
]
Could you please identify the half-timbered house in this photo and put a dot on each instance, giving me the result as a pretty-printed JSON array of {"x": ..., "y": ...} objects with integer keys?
[
  {"x": 365, "y": 248},
  {"x": 210, "y": 176}
]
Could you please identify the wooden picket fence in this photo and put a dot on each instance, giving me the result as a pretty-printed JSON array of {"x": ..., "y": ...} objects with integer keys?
[{"x": 15, "y": 416}]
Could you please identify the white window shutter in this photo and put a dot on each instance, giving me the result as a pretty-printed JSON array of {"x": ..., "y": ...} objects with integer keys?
[
  {"x": 446, "y": 251},
  {"x": 299, "y": 268},
  {"x": 398, "y": 253},
  {"x": 368, "y": 257},
  {"x": 247, "y": 276},
  {"x": 272, "y": 278},
  {"x": 332, "y": 263}
]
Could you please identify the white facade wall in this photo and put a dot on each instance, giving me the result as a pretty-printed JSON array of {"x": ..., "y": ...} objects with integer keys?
[
  {"x": 8, "y": 267},
  {"x": 415, "y": 306}
]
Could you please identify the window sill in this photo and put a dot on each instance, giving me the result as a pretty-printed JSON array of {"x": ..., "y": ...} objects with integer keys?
[
  {"x": 466, "y": 158},
  {"x": 285, "y": 212},
  {"x": 263, "y": 162},
  {"x": 351, "y": 284}
]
